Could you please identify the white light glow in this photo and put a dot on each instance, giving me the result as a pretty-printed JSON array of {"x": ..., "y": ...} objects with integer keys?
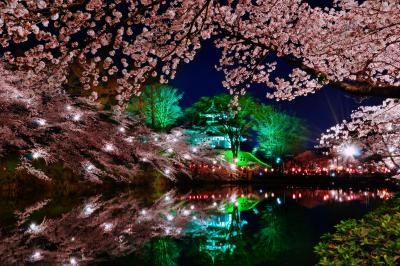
[
  {"x": 108, "y": 147},
  {"x": 350, "y": 151},
  {"x": 88, "y": 210},
  {"x": 34, "y": 228},
  {"x": 76, "y": 117},
  {"x": 36, "y": 256},
  {"x": 107, "y": 227},
  {"x": 73, "y": 261},
  {"x": 36, "y": 155},
  {"x": 41, "y": 122}
]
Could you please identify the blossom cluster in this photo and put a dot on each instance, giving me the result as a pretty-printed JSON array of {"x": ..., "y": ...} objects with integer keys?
[
  {"x": 351, "y": 45},
  {"x": 374, "y": 129},
  {"x": 44, "y": 124}
]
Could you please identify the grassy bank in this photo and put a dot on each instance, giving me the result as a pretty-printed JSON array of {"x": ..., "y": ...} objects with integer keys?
[{"x": 373, "y": 240}]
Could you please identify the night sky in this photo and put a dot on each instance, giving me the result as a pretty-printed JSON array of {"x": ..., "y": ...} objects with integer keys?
[{"x": 320, "y": 110}]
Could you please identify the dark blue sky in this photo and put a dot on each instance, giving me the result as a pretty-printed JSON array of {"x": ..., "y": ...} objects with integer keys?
[{"x": 320, "y": 110}]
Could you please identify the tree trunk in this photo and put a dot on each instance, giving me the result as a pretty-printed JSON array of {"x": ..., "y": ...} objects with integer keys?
[{"x": 152, "y": 107}]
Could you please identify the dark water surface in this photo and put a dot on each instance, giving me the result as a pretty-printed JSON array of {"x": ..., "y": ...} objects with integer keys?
[{"x": 224, "y": 225}]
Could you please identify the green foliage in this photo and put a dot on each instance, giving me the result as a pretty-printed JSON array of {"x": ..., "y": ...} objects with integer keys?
[
  {"x": 162, "y": 252},
  {"x": 278, "y": 133},
  {"x": 272, "y": 238},
  {"x": 245, "y": 159},
  {"x": 373, "y": 240},
  {"x": 233, "y": 122},
  {"x": 159, "y": 104}
]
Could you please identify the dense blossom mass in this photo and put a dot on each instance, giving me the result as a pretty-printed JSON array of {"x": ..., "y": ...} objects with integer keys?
[
  {"x": 353, "y": 46},
  {"x": 42, "y": 124},
  {"x": 373, "y": 130}
]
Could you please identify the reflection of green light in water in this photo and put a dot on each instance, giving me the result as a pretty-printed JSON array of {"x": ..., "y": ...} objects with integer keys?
[
  {"x": 221, "y": 232},
  {"x": 243, "y": 204}
]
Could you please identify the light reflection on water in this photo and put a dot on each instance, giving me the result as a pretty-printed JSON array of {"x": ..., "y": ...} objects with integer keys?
[{"x": 222, "y": 226}]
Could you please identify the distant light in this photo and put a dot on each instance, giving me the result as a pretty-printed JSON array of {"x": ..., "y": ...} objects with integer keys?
[
  {"x": 186, "y": 212},
  {"x": 41, "y": 122},
  {"x": 107, "y": 227},
  {"x": 88, "y": 210},
  {"x": 233, "y": 198},
  {"x": 129, "y": 139},
  {"x": 68, "y": 107},
  {"x": 121, "y": 129},
  {"x": 278, "y": 160},
  {"x": 170, "y": 217},
  {"x": 167, "y": 171},
  {"x": 278, "y": 200},
  {"x": 89, "y": 167},
  {"x": 170, "y": 150},
  {"x": 194, "y": 149},
  {"x": 34, "y": 228},
  {"x": 108, "y": 147},
  {"x": 350, "y": 150},
  {"x": 214, "y": 162},
  {"x": 36, "y": 155},
  {"x": 143, "y": 212},
  {"x": 194, "y": 218},
  {"x": 215, "y": 204},
  {"x": 192, "y": 207},
  {"x": 76, "y": 117},
  {"x": 73, "y": 261},
  {"x": 167, "y": 198},
  {"x": 36, "y": 256}
]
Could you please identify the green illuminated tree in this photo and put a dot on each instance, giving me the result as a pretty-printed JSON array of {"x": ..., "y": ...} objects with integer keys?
[
  {"x": 161, "y": 252},
  {"x": 222, "y": 118},
  {"x": 278, "y": 133},
  {"x": 159, "y": 104}
]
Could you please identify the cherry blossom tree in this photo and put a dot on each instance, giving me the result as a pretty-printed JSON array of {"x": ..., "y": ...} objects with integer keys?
[
  {"x": 351, "y": 45},
  {"x": 43, "y": 124},
  {"x": 373, "y": 129}
]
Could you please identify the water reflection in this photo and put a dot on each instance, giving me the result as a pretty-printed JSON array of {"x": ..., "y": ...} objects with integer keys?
[{"x": 230, "y": 225}]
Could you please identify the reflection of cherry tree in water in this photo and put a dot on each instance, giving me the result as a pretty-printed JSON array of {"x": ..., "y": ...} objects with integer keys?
[
  {"x": 272, "y": 238},
  {"x": 165, "y": 230},
  {"x": 161, "y": 252},
  {"x": 113, "y": 228}
]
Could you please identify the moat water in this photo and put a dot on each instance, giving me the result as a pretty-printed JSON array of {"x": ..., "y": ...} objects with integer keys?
[{"x": 222, "y": 225}]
